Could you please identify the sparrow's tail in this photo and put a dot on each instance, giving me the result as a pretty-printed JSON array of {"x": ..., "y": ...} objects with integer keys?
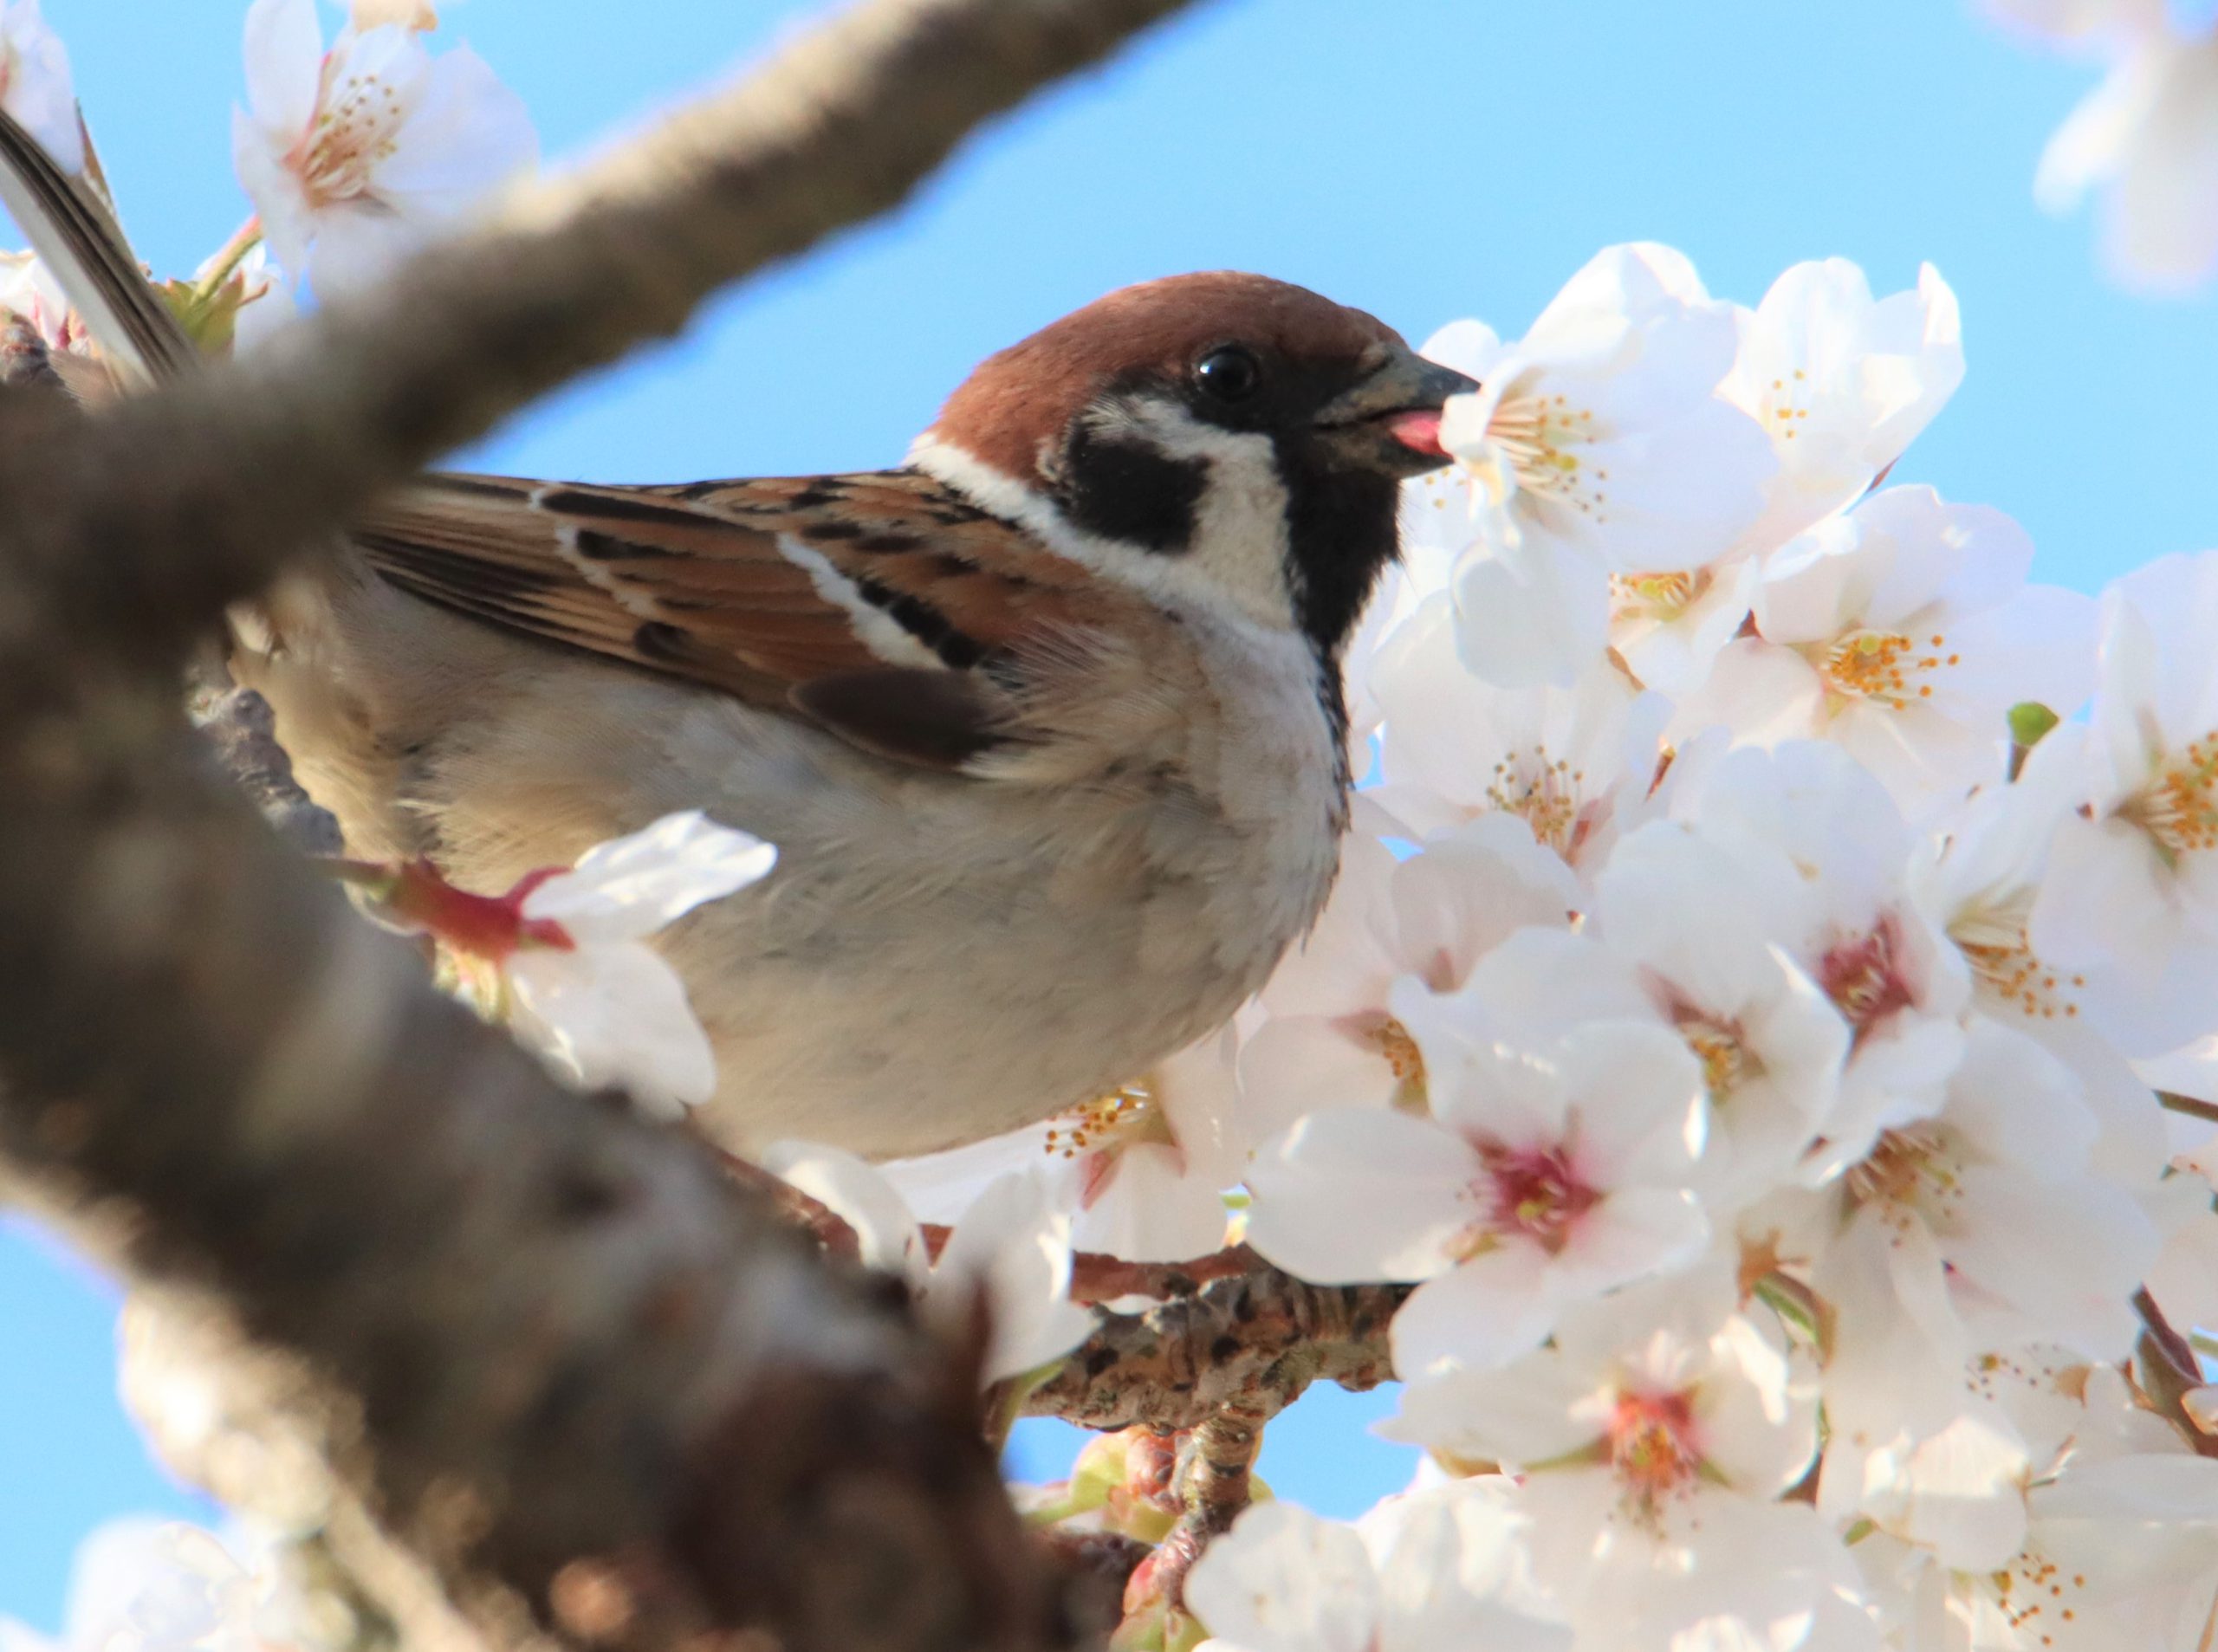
[{"x": 77, "y": 237}]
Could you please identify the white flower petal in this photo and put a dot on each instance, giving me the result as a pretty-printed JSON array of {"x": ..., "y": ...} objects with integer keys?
[
  {"x": 1530, "y": 614},
  {"x": 887, "y": 1236},
  {"x": 1282, "y": 1580},
  {"x": 467, "y": 135},
  {"x": 1352, "y": 1195},
  {"x": 1013, "y": 1248},
  {"x": 634, "y": 885},
  {"x": 284, "y": 63},
  {"x": 616, "y": 1014}
]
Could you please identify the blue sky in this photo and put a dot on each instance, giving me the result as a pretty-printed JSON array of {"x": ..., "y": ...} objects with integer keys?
[{"x": 1422, "y": 159}]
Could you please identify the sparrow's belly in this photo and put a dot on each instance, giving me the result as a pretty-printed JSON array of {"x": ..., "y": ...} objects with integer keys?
[
  {"x": 935, "y": 958},
  {"x": 969, "y": 1008}
]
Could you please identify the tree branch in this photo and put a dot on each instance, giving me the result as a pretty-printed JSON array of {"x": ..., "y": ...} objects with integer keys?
[
  {"x": 252, "y": 460},
  {"x": 1260, "y": 1335},
  {"x": 548, "y": 1347}
]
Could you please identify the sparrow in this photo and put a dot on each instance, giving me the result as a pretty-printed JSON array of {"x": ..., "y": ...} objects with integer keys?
[{"x": 1046, "y": 722}]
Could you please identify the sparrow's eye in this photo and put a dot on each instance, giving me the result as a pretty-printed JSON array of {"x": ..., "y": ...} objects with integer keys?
[{"x": 1229, "y": 374}]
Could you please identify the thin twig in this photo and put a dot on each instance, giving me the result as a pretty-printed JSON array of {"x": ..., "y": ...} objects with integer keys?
[
  {"x": 1096, "y": 1277},
  {"x": 1217, "y": 1459},
  {"x": 2187, "y": 1106},
  {"x": 798, "y": 1210},
  {"x": 2169, "y": 1371}
]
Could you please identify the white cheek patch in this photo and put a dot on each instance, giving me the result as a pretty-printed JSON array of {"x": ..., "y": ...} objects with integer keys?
[
  {"x": 1239, "y": 521},
  {"x": 1234, "y": 564}
]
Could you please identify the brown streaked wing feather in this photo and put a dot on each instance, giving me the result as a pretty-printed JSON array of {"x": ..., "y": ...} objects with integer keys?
[{"x": 692, "y": 582}]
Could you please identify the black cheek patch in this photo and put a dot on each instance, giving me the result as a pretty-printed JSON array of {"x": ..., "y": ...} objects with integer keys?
[{"x": 1127, "y": 490}]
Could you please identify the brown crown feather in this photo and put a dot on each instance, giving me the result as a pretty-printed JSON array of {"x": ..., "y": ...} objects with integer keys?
[{"x": 1029, "y": 393}]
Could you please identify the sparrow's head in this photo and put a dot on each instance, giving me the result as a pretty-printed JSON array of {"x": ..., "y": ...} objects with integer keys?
[{"x": 1214, "y": 436}]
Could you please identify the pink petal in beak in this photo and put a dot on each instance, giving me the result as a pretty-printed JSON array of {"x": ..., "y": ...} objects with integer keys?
[{"x": 1419, "y": 432}]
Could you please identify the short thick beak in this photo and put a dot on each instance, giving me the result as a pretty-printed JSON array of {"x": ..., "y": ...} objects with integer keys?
[{"x": 1391, "y": 420}]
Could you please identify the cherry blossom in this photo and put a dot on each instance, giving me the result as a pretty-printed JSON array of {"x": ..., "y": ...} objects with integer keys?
[
  {"x": 1980, "y": 1229},
  {"x": 1010, "y": 1249},
  {"x": 34, "y": 83},
  {"x": 1433, "y": 1572},
  {"x": 351, "y": 155},
  {"x": 1842, "y": 383},
  {"x": 1826, "y": 854},
  {"x": 2113, "y": 1549},
  {"x": 2131, "y": 888},
  {"x": 563, "y": 957},
  {"x": 1653, "y": 1438},
  {"x": 1979, "y": 873},
  {"x": 1681, "y": 912},
  {"x": 1597, "y": 445},
  {"x": 1905, "y": 631},
  {"x": 2148, "y": 138},
  {"x": 1543, "y": 1177},
  {"x": 1669, "y": 627},
  {"x": 1977, "y": 878},
  {"x": 1141, "y": 1170},
  {"x": 1331, "y": 1038},
  {"x": 1575, "y": 764}
]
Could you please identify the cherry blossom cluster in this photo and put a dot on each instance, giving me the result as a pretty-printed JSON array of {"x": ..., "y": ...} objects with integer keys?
[{"x": 1740, "y": 1018}]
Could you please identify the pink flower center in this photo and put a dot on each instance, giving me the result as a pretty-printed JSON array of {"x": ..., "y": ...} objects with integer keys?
[
  {"x": 1721, "y": 1047},
  {"x": 1653, "y": 1450},
  {"x": 1393, "y": 1042},
  {"x": 1546, "y": 441},
  {"x": 1661, "y": 597},
  {"x": 1535, "y": 1194},
  {"x": 1548, "y": 795},
  {"x": 1910, "y": 1172},
  {"x": 1867, "y": 976},
  {"x": 1998, "y": 944}
]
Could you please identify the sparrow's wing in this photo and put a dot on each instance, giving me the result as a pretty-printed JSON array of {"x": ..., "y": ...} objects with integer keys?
[{"x": 881, "y": 605}]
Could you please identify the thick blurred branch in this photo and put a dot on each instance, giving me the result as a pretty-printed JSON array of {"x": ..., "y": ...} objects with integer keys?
[
  {"x": 549, "y": 1348},
  {"x": 251, "y": 462}
]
